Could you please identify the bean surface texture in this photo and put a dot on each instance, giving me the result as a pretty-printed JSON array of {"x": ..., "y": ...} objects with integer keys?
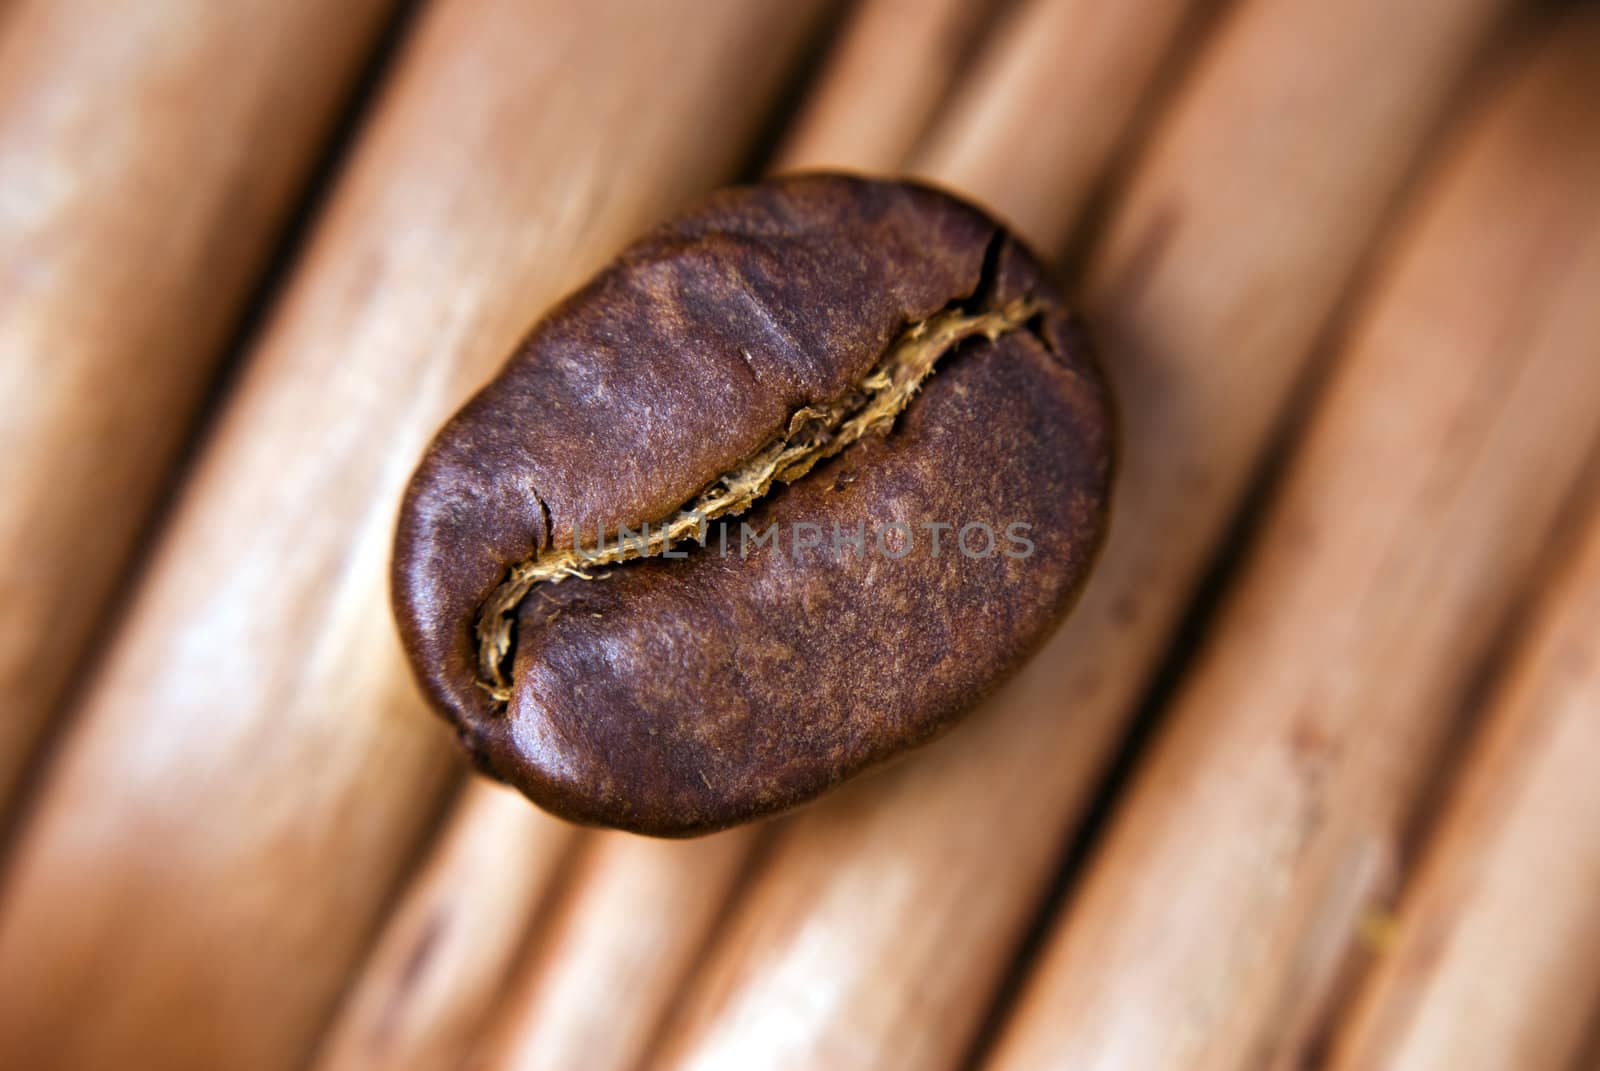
[{"x": 777, "y": 495}]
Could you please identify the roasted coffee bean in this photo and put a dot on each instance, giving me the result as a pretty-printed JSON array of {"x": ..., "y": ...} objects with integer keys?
[{"x": 776, "y": 496}]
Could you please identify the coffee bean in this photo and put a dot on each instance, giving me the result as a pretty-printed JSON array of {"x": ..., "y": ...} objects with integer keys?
[{"x": 776, "y": 496}]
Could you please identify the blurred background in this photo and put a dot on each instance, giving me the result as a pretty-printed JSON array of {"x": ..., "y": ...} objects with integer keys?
[{"x": 1311, "y": 778}]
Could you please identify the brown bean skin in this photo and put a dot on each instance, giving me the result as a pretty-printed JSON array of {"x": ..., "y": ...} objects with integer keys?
[{"x": 683, "y": 693}]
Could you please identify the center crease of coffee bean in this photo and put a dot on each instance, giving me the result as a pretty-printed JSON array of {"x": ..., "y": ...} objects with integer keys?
[{"x": 813, "y": 433}]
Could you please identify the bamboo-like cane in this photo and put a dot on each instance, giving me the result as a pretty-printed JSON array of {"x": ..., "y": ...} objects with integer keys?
[
  {"x": 1230, "y": 894},
  {"x": 252, "y": 769},
  {"x": 882, "y": 922},
  {"x": 443, "y": 958},
  {"x": 639, "y": 915},
  {"x": 882, "y": 84},
  {"x": 563, "y": 1004},
  {"x": 1494, "y": 959},
  {"x": 1050, "y": 102},
  {"x": 134, "y": 221}
]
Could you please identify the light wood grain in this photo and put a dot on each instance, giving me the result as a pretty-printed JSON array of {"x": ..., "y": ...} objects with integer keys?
[
  {"x": 253, "y": 767},
  {"x": 595, "y": 994},
  {"x": 1232, "y": 889},
  {"x": 444, "y": 957},
  {"x": 879, "y": 928},
  {"x": 1494, "y": 958},
  {"x": 882, "y": 84},
  {"x": 133, "y": 224},
  {"x": 1050, "y": 102}
]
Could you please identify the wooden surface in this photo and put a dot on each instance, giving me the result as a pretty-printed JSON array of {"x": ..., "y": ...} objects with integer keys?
[
  {"x": 1278, "y": 797},
  {"x": 1509, "y": 878},
  {"x": 1306, "y": 781},
  {"x": 134, "y": 221}
]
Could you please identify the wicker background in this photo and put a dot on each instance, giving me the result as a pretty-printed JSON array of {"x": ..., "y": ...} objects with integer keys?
[{"x": 1311, "y": 778}]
